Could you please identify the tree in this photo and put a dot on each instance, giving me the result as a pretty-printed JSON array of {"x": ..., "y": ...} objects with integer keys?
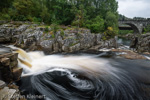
[
  {"x": 23, "y": 7},
  {"x": 97, "y": 15},
  {"x": 96, "y": 25},
  {"x": 5, "y": 4},
  {"x": 111, "y": 20},
  {"x": 44, "y": 14}
]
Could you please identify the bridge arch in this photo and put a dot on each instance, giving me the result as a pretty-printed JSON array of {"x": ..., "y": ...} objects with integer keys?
[{"x": 136, "y": 26}]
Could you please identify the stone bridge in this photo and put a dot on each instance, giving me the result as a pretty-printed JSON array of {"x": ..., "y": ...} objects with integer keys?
[{"x": 136, "y": 25}]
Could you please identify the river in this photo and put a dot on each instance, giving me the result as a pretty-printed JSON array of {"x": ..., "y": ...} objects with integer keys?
[
  {"x": 82, "y": 76},
  {"x": 103, "y": 76}
]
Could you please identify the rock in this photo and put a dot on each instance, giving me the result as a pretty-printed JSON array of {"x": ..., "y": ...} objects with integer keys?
[
  {"x": 8, "y": 67},
  {"x": 4, "y": 93},
  {"x": 87, "y": 40},
  {"x": 65, "y": 48},
  {"x": 5, "y": 35},
  {"x": 128, "y": 54},
  {"x": 47, "y": 46},
  {"x": 10, "y": 92},
  {"x": 98, "y": 39},
  {"x": 22, "y": 28},
  {"x": 17, "y": 71},
  {"x": 2, "y": 84},
  {"x": 5, "y": 61},
  {"x": 141, "y": 43},
  {"x": 111, "y": 43},
  {"x": 56, "y": 47},
  {"x": 74, "y": 48},
  {"x": 34, "y": 37},
  {"x": 4, "y": 50},
  {"x": 3, "y": 22}
]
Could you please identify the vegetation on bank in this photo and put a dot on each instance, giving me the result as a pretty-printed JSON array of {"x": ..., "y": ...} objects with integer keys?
[
  {"x": 124, "y": 32},
  {"x": 97, "y": 15}
]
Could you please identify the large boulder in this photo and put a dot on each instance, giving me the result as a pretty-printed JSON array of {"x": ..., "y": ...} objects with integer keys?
[{"x": 142, "y": 43}]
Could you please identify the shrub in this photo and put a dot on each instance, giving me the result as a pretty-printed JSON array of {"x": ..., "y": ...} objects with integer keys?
[
  {"x": 147, "y": 29},
  {"x": 54, "y": 27},
  {"x": 53, "y": 36},
  {"x": 62, "y": 33},
  {"x": 96, "y": 25},
  {"x": 110, "y": 33},
  {"x": 35, "y": 19},
  {"x": 5, "y": 17},
  {"x": 46, "y": 29}
]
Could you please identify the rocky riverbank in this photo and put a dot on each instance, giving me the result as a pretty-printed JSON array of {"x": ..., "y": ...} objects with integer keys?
[
  {"x": 9, "y": 73},
  {"x": 141, "y": 43},
  {"x": 31, "y": 36}
]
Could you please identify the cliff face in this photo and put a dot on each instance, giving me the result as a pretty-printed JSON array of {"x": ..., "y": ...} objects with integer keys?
[{"x": 66, "y": 39}]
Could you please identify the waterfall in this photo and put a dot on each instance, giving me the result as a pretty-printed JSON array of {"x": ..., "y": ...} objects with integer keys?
[{"x": 68, "y": 77}]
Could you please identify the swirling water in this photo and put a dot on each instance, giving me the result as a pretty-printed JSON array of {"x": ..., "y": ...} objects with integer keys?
[{"x": 82, "y": 77}]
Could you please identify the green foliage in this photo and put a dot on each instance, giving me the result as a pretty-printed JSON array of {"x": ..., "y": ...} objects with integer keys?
[
  {"x": 54, "y": 28},
  {"x": 110, "y": 33},
  {"x": 62, "y": 33},
  {"x": 96, "y": 25},
  {"x": 46, "y": 29},
  {"x": 5, "y": 17},
  {"x": 79, "y": 16},
  {"x": 111, "y": 21},
  {"x": 35, "y": 19},
  {"x": 53, "y": 36},
  {"x": 4, "y": 5},
  {"x": 124, "y": 32},
  {"x": 147, "y": 29},
  {"x": 44, "y": 14},
  {"x": 96, "y": 15},
  {"x": 23, "y": 7}
]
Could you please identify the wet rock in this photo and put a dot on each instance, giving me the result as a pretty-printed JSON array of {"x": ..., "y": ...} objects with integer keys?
[
  {"x": 9, "y": 73},
  {"x": 10, "y": 92},
  {"x": 128, "y": 54},
  {"x": 5, "y": 61},
  {"x": 4, "y": 50},
  {"x": 112, "y": 43},
  {"x": 8, "y": 67},
  {"x": 2, "y": 84},
  {"x": 17, "y": 71}
]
